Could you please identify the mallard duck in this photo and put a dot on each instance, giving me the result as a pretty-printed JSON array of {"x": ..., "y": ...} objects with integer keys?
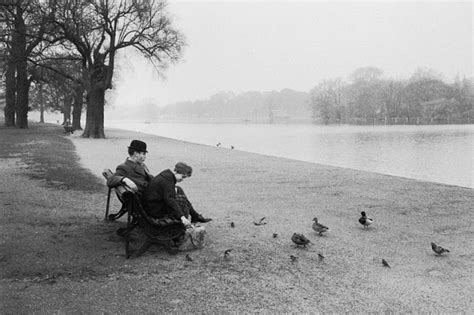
[
  {"x": 300, "y": 239},
  {"x": 227, "y": 253},
  {"x": 318, "y": 227},
  {"x": 260, "y": 222},
  {"x": 438, "y": 249},
  {"x": 364, "y": 220}
]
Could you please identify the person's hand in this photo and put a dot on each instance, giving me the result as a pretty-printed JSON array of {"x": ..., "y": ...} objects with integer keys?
[
  {"x": 186, "y": 222},
  {"x": 130, "y": 184}
]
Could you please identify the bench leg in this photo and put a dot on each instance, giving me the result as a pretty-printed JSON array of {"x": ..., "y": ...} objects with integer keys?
[
  {"x": 130, "y": 227},
  {"x": 108, "y": 205},
  {"x": 144, "y": 248},
  {"x": 115, "y": 216}
]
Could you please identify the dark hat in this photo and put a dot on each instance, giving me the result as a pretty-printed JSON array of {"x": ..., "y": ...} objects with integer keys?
[
  {"x": 183, "y": 169},
  {"x": 138, "y": 145}
]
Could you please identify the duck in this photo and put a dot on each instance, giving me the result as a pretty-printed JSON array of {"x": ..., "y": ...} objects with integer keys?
[
  {"x": 227, "y": 253},
  {"x": 385, "y": 263},
  {"x": 300, "y": 239},
  {"x": 438, "y": 249},
  {"x": 260, "y": 222},
  {"x": 318, "y": 227},
  {"x": 364, "y": 220}
]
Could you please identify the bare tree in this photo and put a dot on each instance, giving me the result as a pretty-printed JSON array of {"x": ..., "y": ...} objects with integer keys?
[
  {"x": 326, "y": 101},
  {"x": 98, "y": 29}
]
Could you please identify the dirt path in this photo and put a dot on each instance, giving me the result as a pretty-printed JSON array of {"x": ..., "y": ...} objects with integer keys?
[{"x": 59, "y": 256}]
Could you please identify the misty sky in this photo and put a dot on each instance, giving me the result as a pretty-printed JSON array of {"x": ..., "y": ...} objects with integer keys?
[{"x": 270, "y": 45}]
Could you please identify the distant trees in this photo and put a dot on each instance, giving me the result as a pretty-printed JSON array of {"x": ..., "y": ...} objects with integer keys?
[
  {"x": 328, "y": 95},
  {"x": 58, "y": 87},
  {"x": 249, "y": 106},
  {"x": 94, "y": 31},
  {"x": 369, "y": 98},
  {"x": 365, "y": 98}
]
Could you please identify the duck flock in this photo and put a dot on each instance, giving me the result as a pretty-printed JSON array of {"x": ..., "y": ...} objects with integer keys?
[{"x": 301, "y": 240}]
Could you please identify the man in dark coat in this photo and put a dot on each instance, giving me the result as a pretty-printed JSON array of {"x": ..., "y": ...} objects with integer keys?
[
  {"x": 133, "y": 173},
  {"x": 165, "y": 199}
]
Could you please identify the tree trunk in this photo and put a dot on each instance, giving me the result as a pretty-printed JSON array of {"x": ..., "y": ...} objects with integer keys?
[
  {"x": 22, "y": 84},
  {"x": 77, "y": 111},
  {"x": 96, "y": 98},
  {"x": 67, "y": 104},
  {"x": 95, "y": 113},
  {"x": 10, "y": 95},
  {"x": 41, "y": 102}
]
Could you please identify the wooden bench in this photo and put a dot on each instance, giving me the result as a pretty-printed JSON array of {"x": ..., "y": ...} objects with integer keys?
[{"x": 157, "y": 231}]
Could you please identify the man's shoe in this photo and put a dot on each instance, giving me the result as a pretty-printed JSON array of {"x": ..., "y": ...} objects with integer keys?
[{"x": 202, "y": 219}]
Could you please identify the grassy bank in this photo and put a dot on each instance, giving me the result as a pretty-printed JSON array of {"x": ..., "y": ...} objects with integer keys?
[{"x": 59, "y": 256}]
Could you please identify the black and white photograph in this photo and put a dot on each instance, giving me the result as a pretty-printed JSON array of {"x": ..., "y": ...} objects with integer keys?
[{"x": 236, "y": 157}]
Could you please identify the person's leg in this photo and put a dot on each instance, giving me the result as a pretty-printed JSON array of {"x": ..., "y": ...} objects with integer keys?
[
  {"x": 187, "y": 207},
  {"x": 184, "y": 203}
]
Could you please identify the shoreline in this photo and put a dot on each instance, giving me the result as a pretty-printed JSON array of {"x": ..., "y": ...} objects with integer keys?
[
  {"x": 240, "y": 187},
  {"x": 324, "y": 145},
  {"x": 94, "y": 166}
]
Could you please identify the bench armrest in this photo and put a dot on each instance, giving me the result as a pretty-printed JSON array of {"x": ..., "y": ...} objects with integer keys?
[{"x": 120, "y": 189}]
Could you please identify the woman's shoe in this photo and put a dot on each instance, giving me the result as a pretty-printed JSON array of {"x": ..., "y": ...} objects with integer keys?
[{"x": 201, "y": 219}]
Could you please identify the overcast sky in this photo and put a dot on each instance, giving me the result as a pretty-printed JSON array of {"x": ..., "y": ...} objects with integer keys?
[{"x": 270, "y": 45}]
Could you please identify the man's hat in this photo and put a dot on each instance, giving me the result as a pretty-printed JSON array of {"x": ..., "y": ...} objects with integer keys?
[
  {"x": 183, "y": 169},
  {"x": 138, "y": 145}
]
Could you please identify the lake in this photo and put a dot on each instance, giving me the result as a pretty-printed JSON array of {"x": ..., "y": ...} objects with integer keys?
[{"x": 436, "y": 153}]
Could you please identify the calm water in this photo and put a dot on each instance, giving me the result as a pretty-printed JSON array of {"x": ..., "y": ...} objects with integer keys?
[{"x": 442, "y": 154}]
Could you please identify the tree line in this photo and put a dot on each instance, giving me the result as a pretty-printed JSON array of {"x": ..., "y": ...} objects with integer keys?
[
  {"x": 366, "y": 97},
  {"x": 61, "y": 53},
  {"x": 252, "y": 106}
]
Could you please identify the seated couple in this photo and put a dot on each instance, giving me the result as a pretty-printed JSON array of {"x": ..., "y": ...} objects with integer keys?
[{"x": 160, "y": 196}]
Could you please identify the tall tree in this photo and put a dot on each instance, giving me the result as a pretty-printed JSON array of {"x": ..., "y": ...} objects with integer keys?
[
  {"x": 98, "y": 29},
  {"x": 8, "y": 65},
  {"x": 27, "y": 22}
]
